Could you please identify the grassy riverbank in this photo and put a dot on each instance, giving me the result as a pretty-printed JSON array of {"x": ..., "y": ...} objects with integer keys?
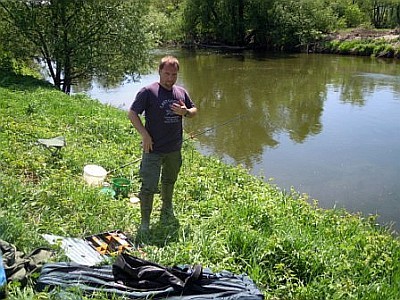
[
  {"x": 363, "y": 42},
  {"x": 228, "y": 219}
]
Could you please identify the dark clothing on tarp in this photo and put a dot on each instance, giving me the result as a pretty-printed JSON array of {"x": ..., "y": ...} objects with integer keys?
[
  {"x": 19, "y": 266},
  {"x": 136, "y": 278},
  {"x": 145, "y": 275}
]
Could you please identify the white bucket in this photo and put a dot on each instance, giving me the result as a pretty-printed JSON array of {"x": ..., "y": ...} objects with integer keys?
[{"x": 94, "y": 175}]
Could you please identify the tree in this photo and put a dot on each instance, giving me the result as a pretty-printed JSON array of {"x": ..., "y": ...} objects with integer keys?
[
  {"x": 270, "y": 24},
  {"x": 259, "y": 20},
  {"x": 216, "y": 20},
  {"x": 201, "y": 19},
  {"x": 382, "y": 13},
  {"x": 298, "y": 23},
  {"x": 165, "y": 21},
  {"x": 77, "y": 39}
]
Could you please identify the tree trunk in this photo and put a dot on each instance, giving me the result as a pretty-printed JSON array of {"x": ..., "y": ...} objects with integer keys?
[{"x": 241, "y": 31}]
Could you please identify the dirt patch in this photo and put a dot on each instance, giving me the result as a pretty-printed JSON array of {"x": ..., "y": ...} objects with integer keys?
[{"x": 362, "y": 34}]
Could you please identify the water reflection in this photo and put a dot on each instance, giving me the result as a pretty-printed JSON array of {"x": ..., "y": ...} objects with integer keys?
[{"x": 274, "y": 96}]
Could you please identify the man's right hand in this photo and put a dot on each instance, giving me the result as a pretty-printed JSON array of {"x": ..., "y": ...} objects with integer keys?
[{"x": 147, "y": 143}]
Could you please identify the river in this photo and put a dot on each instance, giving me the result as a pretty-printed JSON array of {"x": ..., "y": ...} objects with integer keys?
[{"x": 325, "y": 125}]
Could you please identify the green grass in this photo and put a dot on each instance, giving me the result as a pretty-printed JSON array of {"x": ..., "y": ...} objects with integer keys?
[
  {"x": 229, "y": 220},
  {"x": 365, "y": 47}
]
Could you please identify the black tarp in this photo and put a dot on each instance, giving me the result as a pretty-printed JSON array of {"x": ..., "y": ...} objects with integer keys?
[{"x": 135, "y": 278}]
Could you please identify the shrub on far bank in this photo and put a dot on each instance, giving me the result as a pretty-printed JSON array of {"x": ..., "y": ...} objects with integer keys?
[{"x": 367, "y": 47}]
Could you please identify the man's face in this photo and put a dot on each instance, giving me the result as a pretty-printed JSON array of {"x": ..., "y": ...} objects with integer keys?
[{"x": 168, "y": 76}]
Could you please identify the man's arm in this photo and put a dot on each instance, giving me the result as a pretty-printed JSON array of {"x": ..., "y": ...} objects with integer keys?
[
  {"x": 147, "y": 141},
  {"x": 190, "y": 112}
]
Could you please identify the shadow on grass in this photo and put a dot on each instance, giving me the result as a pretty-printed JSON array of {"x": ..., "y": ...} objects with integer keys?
[
  {"x": 18, "y": 82},
  {"x": 160, "y": 234}
]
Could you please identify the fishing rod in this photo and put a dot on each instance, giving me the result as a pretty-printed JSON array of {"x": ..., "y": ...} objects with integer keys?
[
  {"x": 124, "y": 165},
  {"x": 192, "y": 136}
]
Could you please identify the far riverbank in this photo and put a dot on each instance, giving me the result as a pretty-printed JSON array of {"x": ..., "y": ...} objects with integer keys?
[{"x": 383, "y": 43}]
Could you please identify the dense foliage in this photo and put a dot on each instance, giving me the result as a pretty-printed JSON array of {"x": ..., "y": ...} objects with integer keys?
[
  {"x": 228, "y": 220},
  {"x": 76, "y": 40},
  {"x": 280, "y": 24},
  {"x": 111, "y": 39}
]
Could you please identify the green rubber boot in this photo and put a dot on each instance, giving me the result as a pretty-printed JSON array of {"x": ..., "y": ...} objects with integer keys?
[
  {"x": 167, "y": 211},
  {"x": 146, "y": 206}
]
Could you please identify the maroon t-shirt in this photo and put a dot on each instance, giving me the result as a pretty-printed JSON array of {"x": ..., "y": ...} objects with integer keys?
[{"x": 164, "y": 126}]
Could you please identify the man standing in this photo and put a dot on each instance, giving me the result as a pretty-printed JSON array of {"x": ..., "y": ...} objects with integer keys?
[{"x": 164, "y": 104}]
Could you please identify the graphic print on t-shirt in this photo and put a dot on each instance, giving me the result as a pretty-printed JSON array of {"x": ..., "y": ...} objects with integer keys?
[{"x": 170, "y": 117}]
